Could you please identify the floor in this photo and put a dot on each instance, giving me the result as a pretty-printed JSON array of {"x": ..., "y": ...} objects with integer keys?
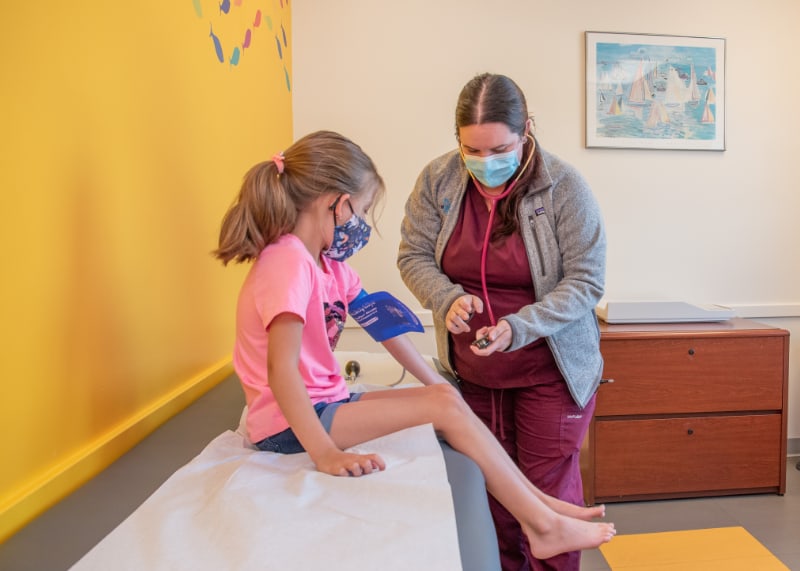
[
  {"x": 773, "y": 520},
  {"x": 58, "y": 538}
]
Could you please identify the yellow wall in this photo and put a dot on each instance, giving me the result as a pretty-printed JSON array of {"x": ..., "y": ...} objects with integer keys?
[{"x": 124, "y": 140}]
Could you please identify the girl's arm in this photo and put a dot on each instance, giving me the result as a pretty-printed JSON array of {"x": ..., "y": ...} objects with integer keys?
[
  {"x": 405, "y": 353},
  {"x": 285, "y": 334}
]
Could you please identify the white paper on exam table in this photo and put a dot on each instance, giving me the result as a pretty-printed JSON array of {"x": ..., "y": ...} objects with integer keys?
[{"x": 233, "y": 507}]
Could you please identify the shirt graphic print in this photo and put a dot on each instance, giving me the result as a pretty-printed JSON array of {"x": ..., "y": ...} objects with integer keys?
[{"x": 334, "y": 321}]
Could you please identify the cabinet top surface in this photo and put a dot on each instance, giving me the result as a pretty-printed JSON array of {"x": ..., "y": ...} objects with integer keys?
[{"x": 735, "y": 325}]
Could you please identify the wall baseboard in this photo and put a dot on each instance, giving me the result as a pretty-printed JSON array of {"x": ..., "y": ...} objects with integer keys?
[
  {"x": 54, "y": 484},
  {"x": 793, "y": 447}
]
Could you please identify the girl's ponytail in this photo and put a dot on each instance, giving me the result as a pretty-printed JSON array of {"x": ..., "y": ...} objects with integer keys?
[
  {"x": 274, "y": 192},
  {"x": 261, "y": 213}
]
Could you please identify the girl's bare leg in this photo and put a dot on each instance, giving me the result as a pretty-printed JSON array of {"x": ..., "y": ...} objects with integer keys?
[
  {"x": 557, "y": 505},
  {"x": 550, "y": 531}
]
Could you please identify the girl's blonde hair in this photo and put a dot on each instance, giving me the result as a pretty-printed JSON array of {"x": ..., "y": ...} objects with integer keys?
[{"x": 274, "y": 192}]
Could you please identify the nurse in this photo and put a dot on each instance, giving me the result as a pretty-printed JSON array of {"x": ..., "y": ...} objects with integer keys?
[{"x": 505, "y": 244}]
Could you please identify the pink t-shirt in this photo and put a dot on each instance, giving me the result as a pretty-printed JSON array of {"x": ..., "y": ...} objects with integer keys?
[{"x": 286, "y": 278}]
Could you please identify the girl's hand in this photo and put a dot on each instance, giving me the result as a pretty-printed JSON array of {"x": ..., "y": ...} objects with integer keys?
[
  {"x": 461, "y": 312},
  {"x": 339, "y": 463},
  {"x": 499, "y": 337}
]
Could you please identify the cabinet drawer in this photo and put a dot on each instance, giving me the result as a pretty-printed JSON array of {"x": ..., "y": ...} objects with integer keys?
[
  {"x": 686, "y": 455},
  {"x": 691, "y": 375}
]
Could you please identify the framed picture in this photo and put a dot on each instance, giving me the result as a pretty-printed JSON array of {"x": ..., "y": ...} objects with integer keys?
[{"x": 646, "y": 91}]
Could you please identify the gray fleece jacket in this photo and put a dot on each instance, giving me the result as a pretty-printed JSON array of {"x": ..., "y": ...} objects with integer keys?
[{"x": 563, "y": 232}]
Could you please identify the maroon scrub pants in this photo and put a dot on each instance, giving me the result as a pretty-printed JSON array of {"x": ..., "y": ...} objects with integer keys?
[{"x": 542, "y": 429}]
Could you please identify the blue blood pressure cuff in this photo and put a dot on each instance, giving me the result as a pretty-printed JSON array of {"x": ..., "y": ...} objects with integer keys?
[{"x": 383, "y": 316}]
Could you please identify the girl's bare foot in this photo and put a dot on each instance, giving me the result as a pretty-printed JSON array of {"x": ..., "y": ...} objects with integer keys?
[
  {"x": 568, "y": 534},
  {"x": 578, "y": 512}
]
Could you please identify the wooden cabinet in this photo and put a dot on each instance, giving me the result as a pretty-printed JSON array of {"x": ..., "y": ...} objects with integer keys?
[{"x": 689, "y": 410}]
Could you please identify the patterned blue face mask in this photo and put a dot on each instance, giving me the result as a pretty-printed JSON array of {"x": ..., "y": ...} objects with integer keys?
[{"x": 348, "y": 238}]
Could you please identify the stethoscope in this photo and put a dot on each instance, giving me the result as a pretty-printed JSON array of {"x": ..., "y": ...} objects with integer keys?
[{"x": 494, "y": 199}]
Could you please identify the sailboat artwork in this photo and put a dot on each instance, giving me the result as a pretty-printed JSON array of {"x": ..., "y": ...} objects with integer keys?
[
  {"x": 659, "y": 92},
  {"x": 658, "y": 115},
  {"x": 640, "y": 92},
  {"x": 708, "y": 114}
]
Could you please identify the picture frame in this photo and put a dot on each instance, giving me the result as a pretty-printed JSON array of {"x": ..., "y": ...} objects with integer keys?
[{"x": 648, "y": 91}]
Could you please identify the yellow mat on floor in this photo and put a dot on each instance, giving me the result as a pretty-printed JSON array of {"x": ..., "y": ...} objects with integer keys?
[{"x": 719, "y": 549}]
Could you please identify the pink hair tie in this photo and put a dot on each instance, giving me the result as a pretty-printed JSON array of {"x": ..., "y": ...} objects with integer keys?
[{"x": 277, "y": 158}]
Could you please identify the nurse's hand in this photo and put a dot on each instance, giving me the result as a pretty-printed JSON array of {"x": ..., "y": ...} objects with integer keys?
[
  {"x": 499, "y": 338},
  {"x": 461, "y": 312}
]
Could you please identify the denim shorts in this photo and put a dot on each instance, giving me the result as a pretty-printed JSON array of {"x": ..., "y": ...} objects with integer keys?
[{"x": 286, "y": 442}]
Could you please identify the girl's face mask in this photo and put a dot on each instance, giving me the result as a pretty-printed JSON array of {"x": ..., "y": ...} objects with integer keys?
[{"x": 348, "y": 238}]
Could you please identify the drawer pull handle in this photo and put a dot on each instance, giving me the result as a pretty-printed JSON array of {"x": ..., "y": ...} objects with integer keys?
[
  {"x": 690, "y": 432},
  {"x": 691, "y": 351},
  {"x": 604, "y": 381}
]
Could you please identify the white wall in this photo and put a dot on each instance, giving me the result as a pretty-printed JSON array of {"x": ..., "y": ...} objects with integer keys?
[{"x": 702, "y": 226}]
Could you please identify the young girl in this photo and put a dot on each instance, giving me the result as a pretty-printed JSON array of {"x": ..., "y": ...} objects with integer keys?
[{"x": 297, "y": 217}]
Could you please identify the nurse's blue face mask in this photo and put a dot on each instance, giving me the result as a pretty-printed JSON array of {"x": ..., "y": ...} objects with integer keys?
[
  {"x": 494, "y": 170},
  {"x": 348, "y": 238}
]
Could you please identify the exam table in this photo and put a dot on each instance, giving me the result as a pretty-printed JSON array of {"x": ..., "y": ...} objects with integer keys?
[{"x": 234, "y": 507}]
